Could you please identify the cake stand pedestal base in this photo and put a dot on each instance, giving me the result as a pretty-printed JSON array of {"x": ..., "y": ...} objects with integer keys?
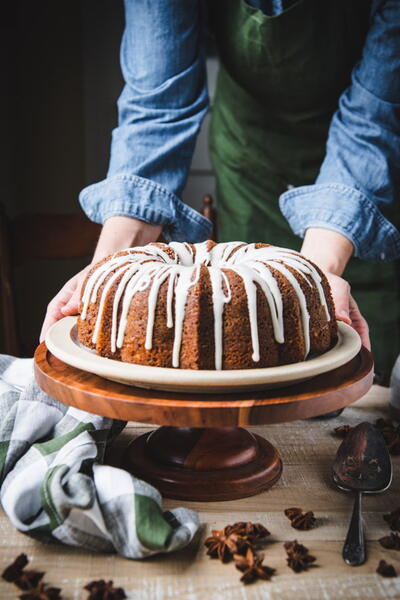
[
  {"x": 201, "y": 451},
  {"x": 204, "y": 464}
]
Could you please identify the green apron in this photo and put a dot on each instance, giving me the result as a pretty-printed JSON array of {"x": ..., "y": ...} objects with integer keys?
[{"x": 278, "y": 87}]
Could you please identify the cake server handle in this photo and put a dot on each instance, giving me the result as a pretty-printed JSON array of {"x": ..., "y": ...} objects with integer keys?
[{"x": 354, "y": 546}]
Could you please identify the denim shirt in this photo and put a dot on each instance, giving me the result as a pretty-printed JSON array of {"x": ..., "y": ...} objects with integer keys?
[{"x": 165, "y": 100}]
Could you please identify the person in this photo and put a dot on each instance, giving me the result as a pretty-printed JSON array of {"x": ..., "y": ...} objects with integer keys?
[{"x": 304, "y": 141}]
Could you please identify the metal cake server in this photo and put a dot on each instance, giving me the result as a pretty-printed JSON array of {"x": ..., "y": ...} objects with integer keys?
[{"x": 362, "y": 465}]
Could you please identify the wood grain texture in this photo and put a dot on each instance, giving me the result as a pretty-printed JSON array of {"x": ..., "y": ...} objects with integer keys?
[
  {"x": 307, "y": 449},
  {"x": 316, "y": 396},
  {"x": 204, "y": 464},
  {"x": 210, "y": 212}
]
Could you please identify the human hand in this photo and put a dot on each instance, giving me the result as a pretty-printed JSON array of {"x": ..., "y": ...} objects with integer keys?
[
  {"x": 117, "y": 234},
  {"x": 331, "y": 251},
  {"x": 346, "y": 307},
  {"x": 65, "y": 303}
]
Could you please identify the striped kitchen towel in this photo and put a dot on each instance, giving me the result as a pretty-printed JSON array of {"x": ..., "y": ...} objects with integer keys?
[{"x": 54, "y": 487}]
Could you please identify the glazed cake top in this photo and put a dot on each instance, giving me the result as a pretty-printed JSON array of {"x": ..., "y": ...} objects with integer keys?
[{"x": 177, "y": 263}]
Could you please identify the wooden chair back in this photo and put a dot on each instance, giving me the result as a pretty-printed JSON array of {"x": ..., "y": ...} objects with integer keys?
[
  {"x": 29, "y": 237},
  {"x": 44, "y": 236}
]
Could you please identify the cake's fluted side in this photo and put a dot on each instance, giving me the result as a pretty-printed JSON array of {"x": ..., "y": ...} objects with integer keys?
[{"x": 207, "y": 306}]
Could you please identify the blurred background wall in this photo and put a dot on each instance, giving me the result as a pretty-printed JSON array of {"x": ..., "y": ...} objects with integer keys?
[{"x": 60, "y": 82}]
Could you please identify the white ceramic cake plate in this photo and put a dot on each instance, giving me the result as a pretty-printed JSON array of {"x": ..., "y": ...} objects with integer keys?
[{"x": 62, "y": 341}]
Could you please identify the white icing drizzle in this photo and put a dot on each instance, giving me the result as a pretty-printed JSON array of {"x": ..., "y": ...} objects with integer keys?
[
  {"x": 118, "y": 295},
  {"x": 104, "y": 295},
  {"x": 219, "y": 298},
  {"x": 158, "y": 279},
  {"x": 202, "y": 256},
  {"x": 185, "y": 282},
  {"x": 305, "y": 317},
  {"x": 137, "y": 269},
  {"x": 183, "y": 252},
  {"x": 170, "y": 298},
  {"x": 270, "y": 287},
  {"x": 249, "y": 278}
]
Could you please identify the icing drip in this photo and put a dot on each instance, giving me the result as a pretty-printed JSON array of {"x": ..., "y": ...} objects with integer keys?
[
  {"x": 137, "y": 269},
  {"x": 104, "y": 295},
  {"x": 305, "y": 317},
  {"x": 248, "y": 279},
  {"x": 219, "y": 298},
  {"x": 183, "y": 252},
  {"x": 185, "y": 282},
  {"x": 138, "y": 283},
  {"x": 203, "y": 256},
  {"x": 269, "y": 286},
  {"x": 170, "y": 298},
  {"x": 158, "y": 279},
  {"x": 118, "y": 295}
]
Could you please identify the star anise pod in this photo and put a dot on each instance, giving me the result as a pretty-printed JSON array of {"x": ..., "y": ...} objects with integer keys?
[
  {"x": 290, "y": 513},
  {"x": 391, "y": 435},
  {"x": 42, "y": 592},
  {"x": 224, "y": 545},
  {"x": 354, "y": 468},
  {"x": 254, "y": 532},
  {"x": 29, "y": 579},
  {"x": 390, "y": 542},
  {"x": 386, "y": 570},
  {"x": 252, "y": 568},
  {"x": 342, "y": 430},
  {"x": 298, "y": 558},
  {"x": 104, "y": 590},
  {"x": 14, "y": 571},
  {"x": 393, "y": 519},
  {"x": 299, "y": 519}
]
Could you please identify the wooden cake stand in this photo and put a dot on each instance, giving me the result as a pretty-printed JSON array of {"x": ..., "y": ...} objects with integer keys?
[{"x": 202, "y": 451}]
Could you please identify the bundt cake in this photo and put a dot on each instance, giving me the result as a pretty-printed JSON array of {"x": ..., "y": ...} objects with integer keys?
[{"x": 207, "y": 306}]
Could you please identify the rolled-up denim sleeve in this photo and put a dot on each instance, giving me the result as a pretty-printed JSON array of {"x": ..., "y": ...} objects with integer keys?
[
  {"x": 358, "y": 185},
  {"x": 160, "y": 112}
]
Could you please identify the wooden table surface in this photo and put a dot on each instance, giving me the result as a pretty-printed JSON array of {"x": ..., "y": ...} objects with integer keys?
[{"x": 307, "y": 449}]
